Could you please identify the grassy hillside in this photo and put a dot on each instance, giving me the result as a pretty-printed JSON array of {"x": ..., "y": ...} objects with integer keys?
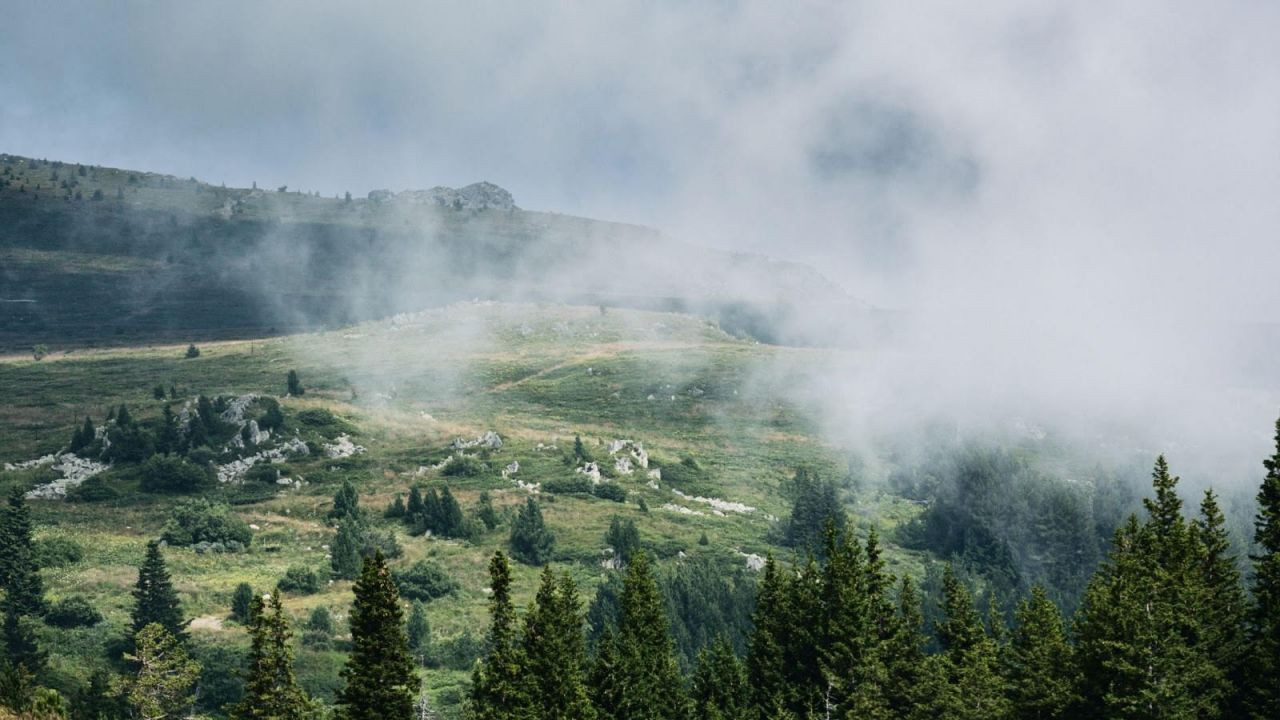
[
  {"x": 405, "y": 389},
  {"x": 93, "y": 256}
]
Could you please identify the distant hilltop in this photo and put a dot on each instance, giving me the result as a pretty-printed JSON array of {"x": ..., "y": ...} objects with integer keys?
[{"x": 476, "y": 196}]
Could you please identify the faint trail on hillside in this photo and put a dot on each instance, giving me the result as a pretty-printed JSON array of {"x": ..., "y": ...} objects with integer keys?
[{"x": 605, "y": 351}]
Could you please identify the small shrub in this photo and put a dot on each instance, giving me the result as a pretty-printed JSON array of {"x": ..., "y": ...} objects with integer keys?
[
  {"x": 242, "y": 603},
  {"x": 56, "y": 552},
  {"x": 72, "y": 612},
  {"x": 323, "y": 421},
  {"x": 463, "y": 466},
  {"x": 610, "y": 491},
  {"x": 39, "y": 352},
  {"x": 531, "y": 542},
  {"x": 204, "y": 521},
  {"x": 294, "y": 386},
  {"x": 262, "y": 473},
  {"x": 192, "y": 351},
  {"x": 174, "y": 474},
  {"x": 95, "y": 489},
  {"x": 577, "y": 485},
  {"x": 424, "y": 580},
  {"x": 271, "y": 418},
  {"x": 300, "y": 579},
  {"x": 372, "y": 540}
]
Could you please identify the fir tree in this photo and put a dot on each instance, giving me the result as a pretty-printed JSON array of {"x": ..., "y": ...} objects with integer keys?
[
  {"x": 974, "y": 687},
  {"x": 1223, "y": 609},
  {"x": 293, "y": 385},
  {"x": 499, "y": 685},
  {"x": 905, "y": 685},
  {"x": 19, "y": 575},
  {"x": 346, "y": 503},
  {"x": 719, "y": 688},
  {"x": 1264, "y": 629},
  {"x": 271, "y": 688},
  {"x": 83, "y": 437},
  {"x": 418, "y": 630},
  {"x": 154, "y": 599},
  {"x": 380, "y": 681},
  {"x": 485, "y": 512},
  {"x": 415, "y": 508},
  {"x": 531, "y": 542},
  {"x": 555, "y": 653},
  {"x": 606, "y": 675},
  {"x": 20, "y": 645},
  {"x": 765, "y": 665},
  {"x": 163, "y": 685},
  {"x": 1042, "y": 685},
  {"x": 344, "y": 554},
  {"x": 652, "y": 688},
  {"x": 242, "y": 602}
]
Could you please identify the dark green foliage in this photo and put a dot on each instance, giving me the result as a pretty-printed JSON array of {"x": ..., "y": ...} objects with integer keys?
[
  {"x": 415, "y": 506},
  {"x": 703, "y": 539},
  {"x": 463, "y": 466},
  {"x": 500, "y": 687},
  {"x": 974, "y": 687},
  {"x": 623, "y": 537},
  {"x": 1040, "y": 666},
  {"x": 719, "y": 690},
  {"x": 56, "y": 552},
  {"x": 1224, "y": 609},
  {"x": 1263, "y": 696},
  {"x": 323, "y": 421},
  {"x": 71, "y": 612},
  {"x": 292, "y": 385},
  {"x": 815, "y": 503},
  {"x": 610, "y": 491},
  {"x": 318, "y": 632},
  {"x": 418, "y": 630},
  {"x": 485, "y": 512},
  {"x": 19, "y": 575},
  {"x": 652, "y": 688},
  {"x": 344, "y": 554},
  {"x": 128, "y": 442},
  {"x": 555, "y": 652},
  {"x": 158, "y": 392},
  {"x": 346, "y": 503},
  {"x": 95, "y": 489},
  {"x": 200, "y": 520},
  {"x": 154, "y": 599},
  {"x": 378, "y": 540},
  {"x": 266, "y": 473},
  {"x": 424, "y": 580},
  {"x": 379, "y": 675},
  {"x": 174, "y": 474},
  {"x": 271, "y": 417},
  {"x": 21, "y": 649},
  {"x": 766, "y": 663},
  {"x": 531, "y": 542},
  {"x": 242, "y": 603},
  {"x": 271, "y": 688},
  {"x": 192, "y": 352},
  {"x": 168, "y": 439},
  {"x": 300, "y": 579},
  {"x": 98, "y": 700},
  {"x": 706, "y": 601},
  {"x": 221, "y": 683},
  {"x": 82, "y": 437},
  {"x": 396, "y": 510},
  {"x": 580, "y": 452},
  {"x": 576, "y": 485}
]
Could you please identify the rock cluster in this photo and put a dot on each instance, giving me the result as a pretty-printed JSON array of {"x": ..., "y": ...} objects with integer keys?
[{"x": 476, "y": 196}]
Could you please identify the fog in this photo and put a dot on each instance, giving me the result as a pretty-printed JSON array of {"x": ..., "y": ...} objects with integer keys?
[{"x": 1075, "y": 208}]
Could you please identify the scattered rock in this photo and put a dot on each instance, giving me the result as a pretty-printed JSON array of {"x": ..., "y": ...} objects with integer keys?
[
  {"x": 342, "y": 448},
  {"x": 490, "y": 440},
  {"x": 722, "y": 506}
]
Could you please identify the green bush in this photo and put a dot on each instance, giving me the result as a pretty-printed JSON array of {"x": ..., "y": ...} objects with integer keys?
[
  {"x": 424, "y": 580},
  {"x": 577, "y": 485},
  {"x": 202, "y": 521},
  {"x": 373, "y": 539},
  {"x": 173, "y": 474},
  {"x": 95, "y": 489},
  {"x": 531, "y": 542},
  {"x": 72, "y": 612},
  {"x": 610, "y": 491},
  {"x": 262, "y": 473},
  {"x": 323, "y": 421},
  {"x": 300, "y": 579},
  {"x": 463, "y": 466},
  {"x": 56, "y": 552}
]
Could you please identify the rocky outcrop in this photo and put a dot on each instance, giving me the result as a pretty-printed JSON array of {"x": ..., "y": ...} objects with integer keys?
[{"x": 476, "y": 196}]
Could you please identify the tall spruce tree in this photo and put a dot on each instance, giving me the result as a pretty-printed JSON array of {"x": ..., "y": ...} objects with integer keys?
[
  {"x": 531, "y": 542},
  {"x": 21, "y": 648},
  {"x": 154, "y": 599},
  {"x": 974, "y": 689},
  {"x": 555, "y": 651},
  {"x": 499, "y": 685},
  {"x": 165, "y": 677},
  {"x": 652, "y": 688},
  {"x": 1263, "y": 696},
  {"x": 19, "y": 575},
  {"x": 904, "y": 656},
  {"x": 1223, "y": 608},
  {"x": 344, "y": 554},
  {"x": 606, "y": 675},
  {"x": 765, "y": 663},
  {"x": 379, "y": 675},
  {"x": 271, "y": 689},
  {"x": 1040, "y": 667},
  {"x": 718, "y": 690}
]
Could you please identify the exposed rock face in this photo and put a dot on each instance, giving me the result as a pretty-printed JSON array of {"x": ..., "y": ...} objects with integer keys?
[
  {"x": 476, "y": 196},
  {"x": 74, "y": 470},
  {"x": 490, "y": 440},
  {"x": 342, "y": 448}
]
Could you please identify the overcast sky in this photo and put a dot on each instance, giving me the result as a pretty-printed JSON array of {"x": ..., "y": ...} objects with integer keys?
[{"x": 1068, "y": 193}]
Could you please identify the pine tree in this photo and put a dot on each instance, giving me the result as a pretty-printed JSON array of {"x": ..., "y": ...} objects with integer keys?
[
  {"x": 531, "y": 542},
  {"x": 418, "y": 630},
  {"x": 766, "y": 671},
  {"x": 606, "y": 676},
  {"x": 1042, "y": 685},
  {"x": 271, "y": 688},
  {"x": 1223, "y": 609},
  {"x": 293, "y": 385},
  {"x": 904, "y": 656},
  {"x": 974, "y": 687},
  {"x": 555, "y": 653},
  {"x": 451, "y": 523},
  {"x": 499, "y": 685},
  {"x": 83, "y": 437},
  {"x": 1263, "y": 696},
  {"x": 242, "y": 601},
  {"x": 485, "y": 512},
  {"x": 166, "y": 675},
  {"x": 344, "y": 554},
  {"x": 20, "y": 645},
  {"x": 719, "y": 690},
  {"x": 346, "y": 503},
  {"x": 379, "y": 675},
  {"x": 652, "y": 688},
  {"x": 155, "y": 601},
  {"x": 167, "y": 438},
  {"x": 19, "y": 575},
  {"x": 415, "y": 508}
]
